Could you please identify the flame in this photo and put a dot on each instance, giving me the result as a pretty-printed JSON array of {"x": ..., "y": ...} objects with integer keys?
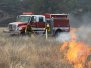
[{"x": 76, "y": 51}]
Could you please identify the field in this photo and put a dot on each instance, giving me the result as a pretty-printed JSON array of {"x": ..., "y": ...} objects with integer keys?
[{"x": 30, "y": 52}]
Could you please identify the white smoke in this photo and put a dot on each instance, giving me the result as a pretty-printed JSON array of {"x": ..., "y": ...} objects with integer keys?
[
  {"x": 83, "y": 26},
  {"x": 84, "y": 33},
  {"x": 64, "y": 36},
  {"x": 80, "y": 19}
]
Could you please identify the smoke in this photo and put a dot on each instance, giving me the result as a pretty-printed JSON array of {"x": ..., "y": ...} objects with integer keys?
[
  {"x": 78, "y": 20},
  {"x": 84, "y": 33},
  {"x": 82, "y": 25},
  {"x": 84, "y": 29},
  {"x": 64, "y": 36}
]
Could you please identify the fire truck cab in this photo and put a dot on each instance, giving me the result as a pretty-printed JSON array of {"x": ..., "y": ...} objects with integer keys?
[{"x": 20, "y": 23}]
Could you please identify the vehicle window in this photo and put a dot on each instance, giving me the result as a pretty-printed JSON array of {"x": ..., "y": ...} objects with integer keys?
[
  {"x": 33, "y": 19},
  {"x": 23, "y": 19},
  {"x": 48, "y": 21},
  {"x": 41, "y": 19}
]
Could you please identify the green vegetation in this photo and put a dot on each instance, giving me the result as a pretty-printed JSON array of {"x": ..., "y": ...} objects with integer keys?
[{"x": 44, "y": 6}]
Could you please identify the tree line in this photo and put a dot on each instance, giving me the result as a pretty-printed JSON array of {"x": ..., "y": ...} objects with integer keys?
[
  {"x": 15, "y": 7},
  {"x": 9, "y": 9}
]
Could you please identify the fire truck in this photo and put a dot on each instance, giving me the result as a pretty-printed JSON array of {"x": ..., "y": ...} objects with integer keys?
[{"x": 54, "y": 23}]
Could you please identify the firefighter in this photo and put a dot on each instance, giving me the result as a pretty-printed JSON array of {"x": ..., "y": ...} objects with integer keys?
[
  {"x": 28, "y": 29},
  {"x": 48, "y": 27}
]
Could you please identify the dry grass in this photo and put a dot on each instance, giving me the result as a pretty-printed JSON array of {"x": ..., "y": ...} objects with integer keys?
[{"x": 30, "y": 52}]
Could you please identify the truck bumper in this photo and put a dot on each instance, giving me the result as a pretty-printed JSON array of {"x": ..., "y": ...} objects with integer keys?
[{"x": 14, "y": 32}]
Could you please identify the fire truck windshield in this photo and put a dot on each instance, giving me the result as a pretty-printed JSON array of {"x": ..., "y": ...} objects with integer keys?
[{"x": 23, "y": 19}]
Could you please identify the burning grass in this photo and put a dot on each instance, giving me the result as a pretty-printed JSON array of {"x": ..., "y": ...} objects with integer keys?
[{"x": 76, "y": 52}]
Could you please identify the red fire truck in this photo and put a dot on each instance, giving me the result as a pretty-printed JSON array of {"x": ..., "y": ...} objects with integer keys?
[{"x": 55, "y": 23}]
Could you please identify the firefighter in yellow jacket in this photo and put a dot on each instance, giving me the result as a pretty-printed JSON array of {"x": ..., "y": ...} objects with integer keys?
[
  {"x": 48, "y": 27},
  {"x": 28, "y": 29}
]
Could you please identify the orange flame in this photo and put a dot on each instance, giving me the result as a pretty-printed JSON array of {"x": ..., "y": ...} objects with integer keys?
[{"x": 76, "y": 52}]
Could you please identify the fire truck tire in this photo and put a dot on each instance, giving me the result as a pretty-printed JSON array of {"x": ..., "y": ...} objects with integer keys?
[
  {"x": 22, "y": 32},
  {"x": 57, "y": 32}
]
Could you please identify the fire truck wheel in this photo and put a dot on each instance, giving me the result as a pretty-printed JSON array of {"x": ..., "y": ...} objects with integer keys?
[
  {"x": 22, "y": 32},
  {"x": 58, "y": 32}
]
